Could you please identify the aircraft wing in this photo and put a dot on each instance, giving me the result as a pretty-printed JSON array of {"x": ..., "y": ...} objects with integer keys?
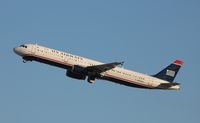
[{"x": 103, "y": 67}]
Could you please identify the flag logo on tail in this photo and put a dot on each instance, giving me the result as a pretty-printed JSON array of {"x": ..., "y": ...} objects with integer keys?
[{"x": 170, "y": 73}]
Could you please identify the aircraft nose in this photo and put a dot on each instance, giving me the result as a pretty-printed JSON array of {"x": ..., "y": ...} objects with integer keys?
[{"x": 16, "y": 50}]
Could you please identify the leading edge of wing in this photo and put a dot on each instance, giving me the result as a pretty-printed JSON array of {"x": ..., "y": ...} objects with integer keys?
[{"x": 103, "y": 67}]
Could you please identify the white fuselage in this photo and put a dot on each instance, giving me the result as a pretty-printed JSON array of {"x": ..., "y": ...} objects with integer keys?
[{"x": 119, "y": 74}]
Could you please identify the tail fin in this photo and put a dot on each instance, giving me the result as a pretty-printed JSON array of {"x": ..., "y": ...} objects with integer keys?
[{"x": 170, "y": 72}]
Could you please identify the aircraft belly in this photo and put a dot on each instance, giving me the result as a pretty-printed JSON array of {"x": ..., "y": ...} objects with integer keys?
[{"x": 126, "y": 82}]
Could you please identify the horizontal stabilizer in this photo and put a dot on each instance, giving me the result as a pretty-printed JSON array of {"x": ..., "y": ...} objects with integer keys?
[{"x": 168, "y": 85}]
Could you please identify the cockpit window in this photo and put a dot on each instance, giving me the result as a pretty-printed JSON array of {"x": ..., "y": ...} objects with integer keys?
[{"x": 23, "y": 46}]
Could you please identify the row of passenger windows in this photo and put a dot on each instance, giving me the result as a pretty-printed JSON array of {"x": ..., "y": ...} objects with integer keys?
[
  {"x": 127, "y": 74},
  {"x": 58, "y": 53},
  {"x": 76, "y": 58},
  {"x": 116, "y": 71}
]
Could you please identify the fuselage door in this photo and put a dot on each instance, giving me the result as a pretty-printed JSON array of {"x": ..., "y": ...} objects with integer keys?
[
  {"x": 150, "y": 82},
  {"x": 33, "y": 48},
  {"x": 65, "y": 58}
]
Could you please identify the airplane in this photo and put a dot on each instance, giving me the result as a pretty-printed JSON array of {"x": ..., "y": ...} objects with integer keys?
[{"x": 81, "y": 68}]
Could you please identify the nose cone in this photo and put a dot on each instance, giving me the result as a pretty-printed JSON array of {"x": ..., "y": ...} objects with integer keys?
[{"x": 17, "y": 51}]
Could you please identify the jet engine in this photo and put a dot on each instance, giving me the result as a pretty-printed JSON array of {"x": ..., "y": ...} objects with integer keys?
[{"x": 77, "y": 72}]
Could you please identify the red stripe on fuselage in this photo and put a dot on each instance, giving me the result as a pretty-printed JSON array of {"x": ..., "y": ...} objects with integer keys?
[
  {"x": 127, "y": 80},
  {"x": 70, "y": 65},
  {"x": 50, "y": 59}
]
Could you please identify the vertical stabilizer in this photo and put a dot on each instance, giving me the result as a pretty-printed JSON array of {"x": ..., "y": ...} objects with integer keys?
[{"x": 170, "y": 72}]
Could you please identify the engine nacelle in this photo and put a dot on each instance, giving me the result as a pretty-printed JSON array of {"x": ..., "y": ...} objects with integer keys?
[
  {"x": 77, "y": 72},
  {"x": 75, "y": 75},
  {"x": 79, "y": 69}
]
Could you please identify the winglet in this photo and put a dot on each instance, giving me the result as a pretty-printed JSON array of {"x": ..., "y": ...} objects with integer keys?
[
  {"x": 178, "y": 62},
  {"x": 119, "y": 63},
  {"x": 122, "y": 63}
]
